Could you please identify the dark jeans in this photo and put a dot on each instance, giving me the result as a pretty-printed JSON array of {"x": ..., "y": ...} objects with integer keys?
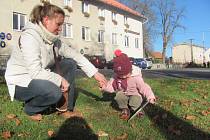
[{"x": 41, "y": 94}]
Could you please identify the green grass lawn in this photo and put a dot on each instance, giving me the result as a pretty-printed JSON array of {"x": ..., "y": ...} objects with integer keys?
[{"x": 182, "y": 112}]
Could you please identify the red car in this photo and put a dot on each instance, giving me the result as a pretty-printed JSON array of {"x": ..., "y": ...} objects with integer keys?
[{"x": 97, "y": 60}]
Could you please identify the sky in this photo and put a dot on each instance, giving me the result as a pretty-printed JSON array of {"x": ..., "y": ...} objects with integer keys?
[{"x": 196, "y": 22}]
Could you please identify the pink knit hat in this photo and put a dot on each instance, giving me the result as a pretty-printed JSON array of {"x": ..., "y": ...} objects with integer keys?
[
  {"x": 117, "y": 52},
  {"x": 122, "y": 65}
]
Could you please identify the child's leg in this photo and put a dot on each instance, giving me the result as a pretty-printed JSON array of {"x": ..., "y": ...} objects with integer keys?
[
  {"x": 122, "y": 100},
  {"x": 135, "y": 102}
]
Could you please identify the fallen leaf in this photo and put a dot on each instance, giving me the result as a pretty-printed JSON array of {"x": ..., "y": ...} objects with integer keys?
[
  {"x": 51, "y": 133},
  {"x": 196, "y": 100},
  {"x": 20, "y": 135},
  {"x": 205, "y": 97},
  {"x": 190, "y": 117},
  {"x": 102, "y": 133},
  {"x": 11, "y": 116},
  {"x": 6, "y": 134},
  {"x": 124, "y": 136},
  {"x": 209, "y": 109},
  {"x": 23, "y": 134},
  {"x": 17, "y": 121},
  {"x": 186, "y": 103},
  {"x": 205, "y": 103},
  {"x": 205, "y": 112}
]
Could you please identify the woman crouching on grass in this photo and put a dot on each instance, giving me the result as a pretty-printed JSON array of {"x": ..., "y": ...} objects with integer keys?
[
  {"x": 129, "y": 86},
  {"x": 34, "y": 73}
]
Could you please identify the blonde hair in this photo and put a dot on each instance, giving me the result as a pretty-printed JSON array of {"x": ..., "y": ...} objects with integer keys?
[{"x": 47, "y": 9}]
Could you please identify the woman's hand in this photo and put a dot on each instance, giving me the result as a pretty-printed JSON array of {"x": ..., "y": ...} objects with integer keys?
[
  {"x": 64, "y": 85},
  {"x": 101, "y": 79}
]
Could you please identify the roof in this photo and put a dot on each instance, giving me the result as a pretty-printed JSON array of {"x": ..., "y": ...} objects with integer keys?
[
  {"x": 157, "y": 55},
  {"x": 123, "y": 7}
]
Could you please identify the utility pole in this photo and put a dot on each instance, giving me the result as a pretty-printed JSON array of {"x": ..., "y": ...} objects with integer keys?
[
  {"x": 203, "y": 49},
  {"x": 191, "y": 46},
  {"x": 203, "y": 39}
]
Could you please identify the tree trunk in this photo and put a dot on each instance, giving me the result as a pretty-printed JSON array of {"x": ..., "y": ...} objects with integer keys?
[{"x": 164, "y": 52}]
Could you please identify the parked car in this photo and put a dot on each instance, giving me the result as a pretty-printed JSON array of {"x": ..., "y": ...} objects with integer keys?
[
  {"x": 109, "y": 64},
  {"x": 97, "y": 60},
  {"x": 148, "y": 63},
  {"x": 140, "y": 62}
]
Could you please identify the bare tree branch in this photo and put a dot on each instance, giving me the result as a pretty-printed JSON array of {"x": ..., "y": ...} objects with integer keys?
[
  {"x": 170, "y": 17},
  {"x": 149, "y": 29}
]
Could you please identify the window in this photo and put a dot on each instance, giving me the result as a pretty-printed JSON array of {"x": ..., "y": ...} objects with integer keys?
[
  {"x": 136, "y": 43},
  {"x": 19, "y": 21},
  {"x": 126, "y": 41},
  {"x": 67, "y": 30},
  {"x": 100, "y": 36},
  {"x": 101, "y": 12},
  {"x": 114, "y": 38},
  {"x": 68, "y": 3},
  {"x": 86, "y": 33},
  {"x": 114, "y": 16},
  {"x": 125, "y": 20},
  {"x": 85, "y": 7}
]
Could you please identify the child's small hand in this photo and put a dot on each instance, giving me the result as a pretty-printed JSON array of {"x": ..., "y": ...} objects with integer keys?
[
  {"x": 101, "y": 86},
  {"x": 152, "y": 100}
]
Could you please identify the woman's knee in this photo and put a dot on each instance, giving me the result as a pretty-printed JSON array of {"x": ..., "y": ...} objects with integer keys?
[{"x": 45, "y": 88}]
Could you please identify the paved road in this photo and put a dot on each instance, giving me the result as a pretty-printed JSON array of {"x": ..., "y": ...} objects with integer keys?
[{"x": 202, "y": 74}]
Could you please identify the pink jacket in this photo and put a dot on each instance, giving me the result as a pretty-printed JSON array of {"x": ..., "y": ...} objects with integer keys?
[{"x": 135, "y": 85}]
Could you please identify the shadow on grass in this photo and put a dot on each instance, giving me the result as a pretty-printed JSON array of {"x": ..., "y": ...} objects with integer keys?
[
  {"x": 106, "y": 97},
  {"x": 173, "y": 127},
  {"x": 169, "y": 125},
  {"x": 87, "y": 93},
  {"x": 2, "y": 80},
  {"x": 75, "y": 128}
]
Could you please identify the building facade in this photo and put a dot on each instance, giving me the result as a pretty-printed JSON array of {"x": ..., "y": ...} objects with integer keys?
[
  {"x": 207, "y": 56},
  {"x": 93, "y": 27},
  {"x": 186, "y": 53}
]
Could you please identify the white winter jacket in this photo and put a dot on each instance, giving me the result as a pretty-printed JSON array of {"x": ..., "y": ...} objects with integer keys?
[{"x": 34, "y": 56}]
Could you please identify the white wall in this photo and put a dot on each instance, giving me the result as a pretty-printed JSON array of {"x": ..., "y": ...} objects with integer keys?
[
  {"x": 77, "y": 19},
  {"x": 182, "y": 54},
  {"x": 119, "y": 28}
]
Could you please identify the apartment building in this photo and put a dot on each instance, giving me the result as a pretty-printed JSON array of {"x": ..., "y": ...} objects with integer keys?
[
  {"x": 207, "y": 55},
  {"x": 93, "y": 27},
  {"x": 186, "y": 53}
]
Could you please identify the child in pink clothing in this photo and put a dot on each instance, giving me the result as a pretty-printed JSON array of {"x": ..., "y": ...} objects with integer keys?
[{"x": 128, "y": 85}]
